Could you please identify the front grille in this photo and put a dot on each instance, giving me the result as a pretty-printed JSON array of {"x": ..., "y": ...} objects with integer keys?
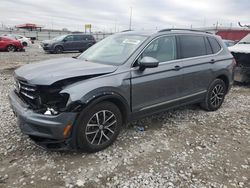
[{"x": 28, "y": 93}]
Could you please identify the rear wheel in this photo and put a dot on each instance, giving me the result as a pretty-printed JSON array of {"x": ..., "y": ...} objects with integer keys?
[
  {"x": 98, "y": 127},
  {"x": 11, "y": 48},
  {"x": 215, "y": 95},
  {"x": 58, "y": 49}
]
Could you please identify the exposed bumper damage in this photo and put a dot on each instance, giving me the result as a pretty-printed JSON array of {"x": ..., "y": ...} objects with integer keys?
[
  {"x": 45, "y": 110},
  {"x": 45, "y": 130},
  {"x": 242, "y": 70}
]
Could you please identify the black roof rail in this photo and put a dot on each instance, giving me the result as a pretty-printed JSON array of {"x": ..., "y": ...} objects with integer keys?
[{"x": 180, "y": 29}]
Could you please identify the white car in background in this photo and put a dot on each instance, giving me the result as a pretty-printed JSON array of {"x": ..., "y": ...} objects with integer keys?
[
  {"x": 241, "y": 53},
  {"x": 24, "y": 40}
]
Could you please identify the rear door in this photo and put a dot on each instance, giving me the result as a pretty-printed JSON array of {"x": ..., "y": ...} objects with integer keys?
[
  {"x": 78, "y": 42},
  {"x": 197, "y": 62},
  {"x": 160, "y": 86},
  {"x": 91, "y": 40},
  {"x": 87, "y": 41}
]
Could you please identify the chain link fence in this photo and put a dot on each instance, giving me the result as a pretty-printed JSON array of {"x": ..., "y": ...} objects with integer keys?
[{"x": 46, "y": 35}]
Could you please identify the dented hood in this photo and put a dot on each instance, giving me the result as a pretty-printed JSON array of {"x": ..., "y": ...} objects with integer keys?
[{"x": 50, "y": 71}]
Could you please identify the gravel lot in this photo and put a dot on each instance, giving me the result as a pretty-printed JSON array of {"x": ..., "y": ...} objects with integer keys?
[{"x": 185, "y": 147}]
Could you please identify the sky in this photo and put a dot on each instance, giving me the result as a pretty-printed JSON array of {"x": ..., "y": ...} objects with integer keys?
[{"x": 114, "y": 15}]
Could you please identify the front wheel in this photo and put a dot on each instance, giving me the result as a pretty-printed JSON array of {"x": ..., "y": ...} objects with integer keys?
[
  {"x": 58, "y": 49},
  {"x": 98, "y": 127},
  {"x": 25, "y": 44},
  {"x": 215, "y": 95}
]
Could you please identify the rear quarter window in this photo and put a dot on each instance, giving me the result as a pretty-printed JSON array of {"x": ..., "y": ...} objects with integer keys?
[
  {"x": 208, "y": 46},
  {"x": 214, "y": 44},
  {"x": 192, "y": 46}
]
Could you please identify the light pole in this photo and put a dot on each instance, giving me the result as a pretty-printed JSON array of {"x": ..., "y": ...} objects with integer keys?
[{"x": 130, "y": 18}]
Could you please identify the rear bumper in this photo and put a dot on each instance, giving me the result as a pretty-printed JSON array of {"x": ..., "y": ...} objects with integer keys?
[{"x": 45, "y": 130}]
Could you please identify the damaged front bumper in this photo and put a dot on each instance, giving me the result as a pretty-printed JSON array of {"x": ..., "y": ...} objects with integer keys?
[
  {"x": 242, "y": 74},
  {"x": 46, "y": 130}
]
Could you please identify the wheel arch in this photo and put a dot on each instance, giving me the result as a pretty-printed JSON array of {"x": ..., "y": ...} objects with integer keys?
[
  {"x": 58, "y": 45},
  {"x": 225, "y": 79},
  {"x": 116, "y": 99}
]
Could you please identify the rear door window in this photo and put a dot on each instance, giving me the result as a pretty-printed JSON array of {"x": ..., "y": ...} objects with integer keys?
[
  {"x": 78, "y": 37},
  {"x": 192, "y": 46},
  {"x": 214, "y": 44}
]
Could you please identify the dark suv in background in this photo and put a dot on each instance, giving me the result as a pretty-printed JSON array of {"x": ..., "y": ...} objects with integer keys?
[
  {"x": 82, "y": 103},
  {"x": 72, "y": 42}
]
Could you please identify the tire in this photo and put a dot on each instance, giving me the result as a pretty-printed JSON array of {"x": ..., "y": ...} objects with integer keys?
[
  {"x": 215, "y": 95},
  {"x": 11, "y": 48},
  {"x": 58, "y": 49},
  {"x": 94, "y": 132},
  {"x": 25, "y": 44}
]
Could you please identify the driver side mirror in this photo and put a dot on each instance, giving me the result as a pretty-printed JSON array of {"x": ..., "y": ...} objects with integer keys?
[{"x": 148, "y": 62}]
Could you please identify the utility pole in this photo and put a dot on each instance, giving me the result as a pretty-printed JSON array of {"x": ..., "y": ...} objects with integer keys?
[
  {"x": 130, "y": 19},
  {"x": 115, "y": 25},
  {"x": 216, "y": 26}
]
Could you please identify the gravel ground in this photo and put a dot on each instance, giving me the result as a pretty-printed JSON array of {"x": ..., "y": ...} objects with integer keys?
[{"x": 185, "y": 147}]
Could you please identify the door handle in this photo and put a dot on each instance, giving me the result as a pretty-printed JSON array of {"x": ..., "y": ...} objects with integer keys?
[
  {"x": 177, "y": 67},
  {"x": 212, "y": 61}
]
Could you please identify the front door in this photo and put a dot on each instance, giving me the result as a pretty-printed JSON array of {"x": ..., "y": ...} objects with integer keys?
[
  {"x": 160, "y": 86},
  {"x": 69, "y": 43}
]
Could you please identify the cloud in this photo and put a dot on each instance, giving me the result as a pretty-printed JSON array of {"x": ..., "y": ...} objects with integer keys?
[{"x": 111, "y": 15}]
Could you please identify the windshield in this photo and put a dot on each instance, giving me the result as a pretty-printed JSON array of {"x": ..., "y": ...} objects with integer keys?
[
  {"x": 113, "y": 50},
  {"x": 245, "y": 40},
  {"x": 59, "y": 38}
]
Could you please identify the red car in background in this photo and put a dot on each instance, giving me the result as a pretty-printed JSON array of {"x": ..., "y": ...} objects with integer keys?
[{"x": 10, "y": 45}]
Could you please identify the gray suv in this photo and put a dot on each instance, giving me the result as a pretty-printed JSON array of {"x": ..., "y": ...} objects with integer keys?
[
  {"x": 72, "y": 42},
  {"x": 82, "y": 103}
]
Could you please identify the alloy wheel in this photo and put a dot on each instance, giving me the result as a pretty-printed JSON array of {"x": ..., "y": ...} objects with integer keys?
[
  {"x": 11, "y": 48},
  {"x": 217, "y": 95},
  {"x": 58, "y": 50},
  {"x": 101, "y": 127}
]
